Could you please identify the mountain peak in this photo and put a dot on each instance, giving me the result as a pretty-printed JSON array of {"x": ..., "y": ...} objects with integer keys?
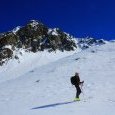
[
  {"x": 34, "y": 23},
  {"x": 34, "y": 37},
  {"x": 15, "y": 30}
]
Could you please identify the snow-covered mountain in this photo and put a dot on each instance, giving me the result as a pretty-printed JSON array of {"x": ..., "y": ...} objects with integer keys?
[
  {"x": 87, "y": 42},
  {"x": 37, "y": 37},
  {"x": 40, "y": 83},
  {"x": 34, "y": 37}
]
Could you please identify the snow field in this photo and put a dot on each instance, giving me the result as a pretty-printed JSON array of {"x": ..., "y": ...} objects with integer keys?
[{"x": 45, "y": 88}]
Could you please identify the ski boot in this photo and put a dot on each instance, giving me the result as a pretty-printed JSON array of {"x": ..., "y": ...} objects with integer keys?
[{"x": 77, "y": 99}]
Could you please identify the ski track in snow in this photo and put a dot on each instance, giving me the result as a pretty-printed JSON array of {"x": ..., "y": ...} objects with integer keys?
[{"x": 46, "y": 89}]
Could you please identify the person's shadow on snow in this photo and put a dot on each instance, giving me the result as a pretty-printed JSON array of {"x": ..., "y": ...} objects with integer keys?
[{"x": 53, "y": 105}]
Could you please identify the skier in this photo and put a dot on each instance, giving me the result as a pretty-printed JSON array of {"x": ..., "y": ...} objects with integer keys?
[{"x": 75, "y": 80}]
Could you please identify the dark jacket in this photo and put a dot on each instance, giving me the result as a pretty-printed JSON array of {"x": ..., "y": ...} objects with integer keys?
[{"x": 75, "y": 80}]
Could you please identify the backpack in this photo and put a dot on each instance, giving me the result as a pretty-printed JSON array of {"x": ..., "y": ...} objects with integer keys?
[{"x": 72, "y": 79}]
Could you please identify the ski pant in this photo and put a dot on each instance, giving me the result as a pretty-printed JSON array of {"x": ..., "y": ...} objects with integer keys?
[{"x": 78, "y": 91}]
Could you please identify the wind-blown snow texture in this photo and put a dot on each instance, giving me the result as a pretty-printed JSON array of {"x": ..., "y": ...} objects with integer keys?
[{"x": 36, "y": 89}]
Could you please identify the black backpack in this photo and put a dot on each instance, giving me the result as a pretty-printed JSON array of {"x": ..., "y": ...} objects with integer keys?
[{"x": 72, "y": 79}]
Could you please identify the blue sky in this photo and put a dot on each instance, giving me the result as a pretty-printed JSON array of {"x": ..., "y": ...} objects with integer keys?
[{"x": 81, "y": 18}]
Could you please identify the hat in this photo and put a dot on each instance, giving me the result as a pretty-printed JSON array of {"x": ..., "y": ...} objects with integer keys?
[{"x": 76, "y": 73}]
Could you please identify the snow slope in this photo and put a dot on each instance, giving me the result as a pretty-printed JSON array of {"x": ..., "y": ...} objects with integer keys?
[
  {"x": 28, "y": 61},
  {"x": 46, "y": 89}
]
